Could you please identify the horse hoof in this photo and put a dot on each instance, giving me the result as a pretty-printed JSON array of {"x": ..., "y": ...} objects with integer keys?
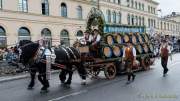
[{"x": 83, "y": 82}]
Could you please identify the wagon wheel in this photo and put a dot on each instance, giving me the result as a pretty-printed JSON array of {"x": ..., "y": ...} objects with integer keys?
[
  {"x": 110, "y": 71},
  {"x": 95, "y": 71}
]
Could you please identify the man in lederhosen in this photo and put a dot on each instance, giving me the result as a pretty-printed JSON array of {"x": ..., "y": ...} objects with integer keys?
[
  {"x": 129, "y": 56},
  {"x": 164, "y": 53},
  {"x": 95, "y": 42}
]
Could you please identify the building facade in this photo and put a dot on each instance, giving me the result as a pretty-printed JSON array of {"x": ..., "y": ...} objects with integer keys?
[{"x": 65, "y": 20}]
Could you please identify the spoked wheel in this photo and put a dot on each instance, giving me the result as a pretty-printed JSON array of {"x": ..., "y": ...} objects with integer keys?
[
  {"x": 95, "y": 71},
  {"x": 110, "y": 71}
]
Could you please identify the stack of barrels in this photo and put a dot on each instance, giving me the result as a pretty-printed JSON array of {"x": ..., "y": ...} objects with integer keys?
[{"x": 114, "y": 44}]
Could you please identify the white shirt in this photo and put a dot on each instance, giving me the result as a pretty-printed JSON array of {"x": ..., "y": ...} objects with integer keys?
[
  {"x": 98, "y": 38},
  {"x": 134, "y": 52}
]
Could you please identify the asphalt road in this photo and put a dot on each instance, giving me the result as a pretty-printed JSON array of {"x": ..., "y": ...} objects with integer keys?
[{"x": 148, "y": 86}]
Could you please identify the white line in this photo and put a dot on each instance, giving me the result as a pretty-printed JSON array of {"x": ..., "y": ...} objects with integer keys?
[{"x": 65, "y": 96}]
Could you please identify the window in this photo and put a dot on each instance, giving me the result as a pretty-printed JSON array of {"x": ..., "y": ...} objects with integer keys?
[
  {"x": 79, "y": 33},
  {"x": 64, "y": 38},
  {"x": 132, "y": 19},
  {"x": 139, "y": 6},
  {"x": 149, "y": 23},
  {"x": 139, "y": 21},
  {"x": 114, "y": 17},
  {"x": 24, "y": 34},
  {"x": 23, "y": 5},
  {"x": 128, "y": 19},
  {"x": 0, "y": 4},
  {"x": 136, "y": 20},
  {"x": 161, "y": 25},
  {"x": 135, "y": 4},
  {"x": 165, "y": 26},
  {"x": 132, "y": 3},
  {"x": 143, "y": 7},
  {"x": 3, "y": 41},
  {"x": 109, "y": 16},
  {"x": 149, "y": 9},
  {"x": 127, "y": 3},
  {"x": 114, "y": 1},
  {"x": 79, "y": 12},
  {"x": 63, "y": 10},
  {"x": 119, "y": 1},
  {"x": 143, "y": 21},
  {"x": 119, "y": 18},
  {"x": 45, "y": 7},
  {"x": 46, "y": 34}
]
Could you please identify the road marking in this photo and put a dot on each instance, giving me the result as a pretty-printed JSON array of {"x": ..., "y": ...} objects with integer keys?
[{"x": 65, "y": 96}]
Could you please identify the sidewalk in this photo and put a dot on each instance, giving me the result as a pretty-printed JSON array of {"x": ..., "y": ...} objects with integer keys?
[{"x": 19, "y": 76}]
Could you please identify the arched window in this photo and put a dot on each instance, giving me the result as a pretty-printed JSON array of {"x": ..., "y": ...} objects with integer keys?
[
  {"x": 79, "y": 33},
  {"x": 143, "y": 7},
  {"x": 119, "y": 18},
  {"x": 139, "y": 21},
  {"x": 46, "y": 34},
  {"x": 23, "y": 5},
  {"x": 79, "y": 12},
  {"x": 114, "y": 17},
  {"x": 63, "y": 10},
  {"x": 24, "y": 34},
  {"x": 132, "y": 19},
  {"x": 128, "y": 19},
  {"x": 2, "y": 37},
  {"x": 45, "y": 7},
  {"x": 108, "y": 16},
  {"x": 64, "y": 38}
]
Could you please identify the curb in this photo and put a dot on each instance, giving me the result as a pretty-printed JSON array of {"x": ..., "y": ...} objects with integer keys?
[{"x": 18, "y": 77}]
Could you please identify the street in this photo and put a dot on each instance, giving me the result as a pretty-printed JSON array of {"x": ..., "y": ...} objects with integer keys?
[{"x": 148, "y": 86}]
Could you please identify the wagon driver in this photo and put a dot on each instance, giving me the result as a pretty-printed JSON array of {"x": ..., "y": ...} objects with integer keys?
[{"x": 129, "y": 56}]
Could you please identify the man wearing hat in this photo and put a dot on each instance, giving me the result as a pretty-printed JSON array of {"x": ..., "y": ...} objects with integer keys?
[
  {"x": 164, "y": 53},
  {"x": 129, "y": 56}
]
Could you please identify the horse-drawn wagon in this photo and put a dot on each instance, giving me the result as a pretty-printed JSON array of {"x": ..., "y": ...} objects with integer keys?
[{"x": 108, "y": 57}]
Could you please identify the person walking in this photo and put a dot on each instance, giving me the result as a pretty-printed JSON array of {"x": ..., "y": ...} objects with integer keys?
[
  {"x": 129, "y": 56},
  {"x": 165, "y": 51}
]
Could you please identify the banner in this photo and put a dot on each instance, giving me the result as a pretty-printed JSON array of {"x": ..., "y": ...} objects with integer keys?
[{"x": 124, "y": 29}]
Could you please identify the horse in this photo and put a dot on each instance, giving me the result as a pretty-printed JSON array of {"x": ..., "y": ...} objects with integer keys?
[{"x": 31, "y": 55}]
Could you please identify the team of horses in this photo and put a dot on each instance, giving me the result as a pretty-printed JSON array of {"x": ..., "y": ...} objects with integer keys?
[{"x": 33, "y": 57}]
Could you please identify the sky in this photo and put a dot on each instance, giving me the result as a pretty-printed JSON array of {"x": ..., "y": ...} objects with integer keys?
[{"x": 169, "y": 6}]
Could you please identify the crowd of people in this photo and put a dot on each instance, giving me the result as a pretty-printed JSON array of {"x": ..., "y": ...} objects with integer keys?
[{"x": 8, "y": 55}]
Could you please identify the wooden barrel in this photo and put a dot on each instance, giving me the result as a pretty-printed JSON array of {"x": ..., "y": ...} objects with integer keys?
[
  {"x": 146, "y": 37},
  {"x": 107, "y": 51},
  {"x": 109, "y": 39},
  {"x": 146, "y": 48},
  {"x": 140, "y": 38},
  {"x": 119, "y": 38},
  {"x": 126, "y": 37},
  {"x": 151, "y": 48},
  {"x": 134, "y": 39},
  {"x": 117, "y": 51},
  {"x": 139, "y": 49}
]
